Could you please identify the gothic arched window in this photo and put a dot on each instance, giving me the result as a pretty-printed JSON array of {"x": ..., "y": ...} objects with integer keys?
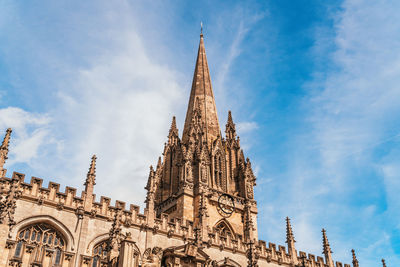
[
  {"x": 41, "y": 237},
  {"x": 99, "y": 254},
  {"x": 223, "y": 229}
]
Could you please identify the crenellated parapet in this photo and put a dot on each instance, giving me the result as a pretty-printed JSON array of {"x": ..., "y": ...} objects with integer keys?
[
  {"x": 278, "y": 254},
  {"x": 163, "y": 225},
  {"x": 68, "y": 201}
]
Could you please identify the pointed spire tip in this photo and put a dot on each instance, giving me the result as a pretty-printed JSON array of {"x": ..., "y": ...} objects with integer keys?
[
  {"x": 355, "y": 261},
  {"x": 201, "y": 112},
  {"x": 91, "y": 175},
  {"x": 92, "y": 168}
]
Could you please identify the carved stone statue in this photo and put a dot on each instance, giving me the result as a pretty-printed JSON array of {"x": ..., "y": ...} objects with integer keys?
[{"x": 152, "y": 257}]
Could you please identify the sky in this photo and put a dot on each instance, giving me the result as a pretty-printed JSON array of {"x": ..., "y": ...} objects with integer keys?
[{"x": 313, "y": 86}]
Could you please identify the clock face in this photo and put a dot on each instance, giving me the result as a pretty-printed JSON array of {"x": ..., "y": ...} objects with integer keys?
[{"x": 226, "y": 204}]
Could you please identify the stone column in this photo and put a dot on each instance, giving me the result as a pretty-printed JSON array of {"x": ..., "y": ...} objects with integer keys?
[{"x": 128, "y": 254}]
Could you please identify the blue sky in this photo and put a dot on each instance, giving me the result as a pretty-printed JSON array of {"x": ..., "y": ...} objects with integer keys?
[{"x": 314, "y": 88}]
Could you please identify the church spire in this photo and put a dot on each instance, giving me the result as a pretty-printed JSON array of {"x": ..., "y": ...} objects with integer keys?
[
  {"x": 383, "y": 263},
  {"x": 355, "y": 261},
  {"x": 4, "y": 152},
  {"x": 202, "y": 93},
  {"x": 327, "y": 249}
]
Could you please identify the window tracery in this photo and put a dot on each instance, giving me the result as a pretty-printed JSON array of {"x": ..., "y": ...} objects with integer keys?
[
  {"x": 223, "y": 230},
  {"x": 40, "y": 237},
  {"x": 99, "y": 254}
]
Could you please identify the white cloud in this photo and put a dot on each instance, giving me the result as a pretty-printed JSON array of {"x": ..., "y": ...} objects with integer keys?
[
  {"x": 120, "y": 109},
  {"x": 246, "y": 126},
  {"x": 117, "y": 105},
  {"x": 30, "y": 132}
]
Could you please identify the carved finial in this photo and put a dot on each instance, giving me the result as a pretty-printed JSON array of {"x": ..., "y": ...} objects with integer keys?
[
  {"x": 383, "y": 263},
  {"x": 327, "y": 249},
  {"x": 173, "y": 135},
  {"x": 149, "y": 186},
  {"x": 91, "y": 175},
  {"x": 6, "y": 139},
  {"x": 201, "y": 28},
  {"x": 158, "y": 164},
  {"x": 355, "y": 261},
  {"x": 4, "y": 152},
  {"x": 230, "y": 121},
  {"x": 173, "y": 128},
  {"x": 230, "y": 129},
  {"x": 289, "y": 232},
  {"x": 290, "y": 241},
  {"x": 92, "y": 169},
  {"x": 89, "y": 184}
]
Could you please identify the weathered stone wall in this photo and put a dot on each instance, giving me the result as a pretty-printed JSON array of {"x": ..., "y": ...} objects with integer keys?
[{"x": 83, "y": 230}]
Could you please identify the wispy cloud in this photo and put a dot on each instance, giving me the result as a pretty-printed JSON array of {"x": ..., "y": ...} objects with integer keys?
[
  {"x": 348, "y": 127},
  {"x": 335, "y": 172},
  {"x": 117, "y": 105}
]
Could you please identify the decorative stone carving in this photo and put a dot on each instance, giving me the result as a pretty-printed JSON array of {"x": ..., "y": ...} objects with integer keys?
[
  {"x": 15, "y": 263},
  {"x": 9, "y": 203},
  {"x": 80, "y": 212},
  {"x": 60, "y": 205},
  {"x": 10, "y": 244},
  {"x": 68, "y": 256},
  {"x": 249, "y": 189},
  {"x": 152, "y": 257},
  {"x": 93, "y": 213},
  {"x": 49, "y": 252},
  {"x": 203, "y": 172},
  {"x": 29, "y": 248},
  {"x": 188, "y": 171},
  {"x": 86, "y": 259}
]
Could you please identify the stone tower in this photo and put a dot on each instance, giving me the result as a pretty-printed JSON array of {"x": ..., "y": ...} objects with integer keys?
[{"x": 204, "y": 177}]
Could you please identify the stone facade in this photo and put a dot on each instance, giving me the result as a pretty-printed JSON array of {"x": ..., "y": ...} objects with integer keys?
[{"x": 200, "y": 207}]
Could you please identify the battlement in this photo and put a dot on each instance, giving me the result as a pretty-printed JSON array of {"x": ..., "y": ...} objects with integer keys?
[
  {"x": 68, "y": 199},
  {"x": 278, "y": 254},
  {"x": 163, "y": 225}
]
